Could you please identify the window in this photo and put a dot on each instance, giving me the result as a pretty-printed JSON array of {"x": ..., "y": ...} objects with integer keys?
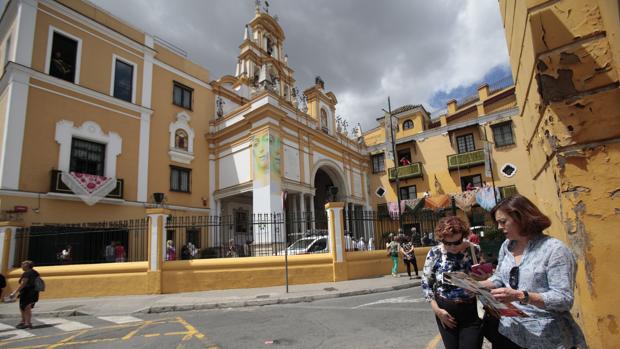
[
  {"x": 502, "y": 134},
  {"x": 382, "y": 210},
  {"x": 475, "y": 180},
  {"x": 407, "y": 124},
  {"x": 404, "y": 157},
  {"x": 123, "y": 80},
  {"x": 180, "y": 139},
  {"x": 7, "y": 51},
  {"x": 87, "y": 157},
  {"x": 63, "y": 57},
  {"x": 465, "y": 143},
  {"x": 324, "y": 121},
  {"x": 408, "y": 193},
  {"x": 378, "y": 163},
  {"x": 179, "y": 179},
  {"x": 182, "y": 96}
]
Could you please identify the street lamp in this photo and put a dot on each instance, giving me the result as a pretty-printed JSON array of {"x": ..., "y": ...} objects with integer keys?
[{"x": 393, "y": 140}]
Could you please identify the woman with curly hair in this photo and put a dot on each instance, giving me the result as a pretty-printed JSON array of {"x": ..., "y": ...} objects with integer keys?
[{"x": 455, "y": 309}]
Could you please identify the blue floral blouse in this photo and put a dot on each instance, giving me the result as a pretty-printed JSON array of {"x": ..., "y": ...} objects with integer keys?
[
  {"x": 439, "y": 261},
  {"x": 547, "y": 267}
]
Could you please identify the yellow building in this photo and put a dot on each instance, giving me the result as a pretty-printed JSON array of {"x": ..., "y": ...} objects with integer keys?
[
  {"x": 565, "y": 58},
  {"x": 444, "y": 154}
]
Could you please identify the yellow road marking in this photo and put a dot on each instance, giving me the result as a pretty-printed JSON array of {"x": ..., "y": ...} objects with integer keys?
[
  {"x": 152, "y": 335},
  {"x": 175, "y": 334},
  {"x": 65, "y": 340},
  {"x": 433, "y": 343}
]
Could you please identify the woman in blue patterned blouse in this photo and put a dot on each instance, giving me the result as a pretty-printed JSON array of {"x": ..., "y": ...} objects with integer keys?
[
  {"x": 536, "y": 273},
  {"x": 455, "y": 309}
]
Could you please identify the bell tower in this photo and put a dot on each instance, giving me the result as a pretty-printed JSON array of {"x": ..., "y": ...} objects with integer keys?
[{"x": 262, "y": 63}]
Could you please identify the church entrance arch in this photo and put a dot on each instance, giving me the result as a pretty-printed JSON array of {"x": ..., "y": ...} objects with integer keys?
[{"x": 329, "y": 186}]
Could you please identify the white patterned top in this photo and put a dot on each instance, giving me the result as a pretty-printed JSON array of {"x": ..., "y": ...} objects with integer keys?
[{"x": 547, "y": 267}]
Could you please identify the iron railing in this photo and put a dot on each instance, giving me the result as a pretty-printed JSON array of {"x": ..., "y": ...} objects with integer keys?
[
  {"x": 245, "y": 235},
  {"x": 86, "y": 243},
  {"x": 466, "y": 160},
  {"x": 413, "y": 170}
]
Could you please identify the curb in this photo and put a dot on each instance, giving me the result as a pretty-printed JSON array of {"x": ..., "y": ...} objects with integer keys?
[
  {"x": 273, "y": 301},
  {"x": 253, "y": 302}
]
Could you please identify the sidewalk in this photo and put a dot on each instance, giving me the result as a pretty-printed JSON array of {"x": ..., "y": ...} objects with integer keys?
[{"x": 125, "y": 305}]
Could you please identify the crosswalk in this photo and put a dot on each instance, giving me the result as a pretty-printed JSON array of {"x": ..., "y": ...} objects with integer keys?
[{"x": 51, "y": 325}]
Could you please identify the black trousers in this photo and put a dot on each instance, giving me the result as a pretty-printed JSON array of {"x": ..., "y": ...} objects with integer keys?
[
  {"x": 468, "y": 331},
  {"x": 490, "y": 326},
  {"x": 408, "y": 263}
]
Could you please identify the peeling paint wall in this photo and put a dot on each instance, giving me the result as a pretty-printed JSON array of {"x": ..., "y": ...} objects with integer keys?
[{"x": 565, "y": 57}]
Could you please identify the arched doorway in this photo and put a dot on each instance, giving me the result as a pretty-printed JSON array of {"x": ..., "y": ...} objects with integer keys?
[{"x": 329, "y": 187}]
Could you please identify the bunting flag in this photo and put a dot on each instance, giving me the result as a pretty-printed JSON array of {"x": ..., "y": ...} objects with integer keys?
[
  {"x": 465, "y": 200},
  {"x": 485, "y": 197},
  {"x": 89, "y": 188},
  {"x": 437, "y": 201},
  {"x": 415, "y": 204}
]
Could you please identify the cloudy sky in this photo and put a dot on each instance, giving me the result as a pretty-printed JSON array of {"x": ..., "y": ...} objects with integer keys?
[{"x": 415, "y": 51}]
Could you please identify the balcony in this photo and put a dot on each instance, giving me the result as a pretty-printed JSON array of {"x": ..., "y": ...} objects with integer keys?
[
  {"x": 57, "y": 186},
  {"x": 409, "y": 171},
  {"x": 466, "y": 160}
]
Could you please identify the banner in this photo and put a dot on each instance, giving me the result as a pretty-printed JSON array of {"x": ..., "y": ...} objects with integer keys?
[{"x": 89, "y": 188}]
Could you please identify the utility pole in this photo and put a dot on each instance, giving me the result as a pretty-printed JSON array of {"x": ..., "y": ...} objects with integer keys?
[{"x": 393, "y": 139}]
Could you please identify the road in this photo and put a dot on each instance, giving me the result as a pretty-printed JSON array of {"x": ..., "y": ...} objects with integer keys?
[{"x": 398, "y": 319}]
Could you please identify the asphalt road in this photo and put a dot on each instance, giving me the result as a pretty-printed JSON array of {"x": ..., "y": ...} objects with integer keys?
[{"x": 398, "y": 319}]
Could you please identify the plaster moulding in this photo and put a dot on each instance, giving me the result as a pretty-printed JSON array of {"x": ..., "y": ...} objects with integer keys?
[
  {"x": 181, "y": 155},
  {"x": 90, "y": 131}
]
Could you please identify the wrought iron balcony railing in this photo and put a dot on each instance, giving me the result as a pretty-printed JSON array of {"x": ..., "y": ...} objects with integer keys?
[
  {"x": 466, "y": 160},
  {"x": 409, "y": 171},
  {"x": 57, "y": 186}
]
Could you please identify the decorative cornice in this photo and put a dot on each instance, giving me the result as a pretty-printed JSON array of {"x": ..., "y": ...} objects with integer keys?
[{"x": 13, "y": 68}]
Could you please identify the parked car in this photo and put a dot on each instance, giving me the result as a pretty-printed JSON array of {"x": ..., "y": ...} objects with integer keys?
[{"x": 309, "y": 244}]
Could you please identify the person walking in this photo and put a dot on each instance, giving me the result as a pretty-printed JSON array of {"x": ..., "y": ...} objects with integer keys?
[
  {"x": 455, "y": 309},
  {"x": 392, "y": 250},
  {"x": 119, "y": 252},
  {"x": 28, "y": 295},
  {"x": 171, "y": 251},
  {"x": 536, "y": 274},
  {"x": 109, "y": 253},
  {"x": 406, "y": 248}
]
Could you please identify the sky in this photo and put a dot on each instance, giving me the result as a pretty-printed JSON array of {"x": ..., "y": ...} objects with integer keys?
[{"x": 414, "y": 51}]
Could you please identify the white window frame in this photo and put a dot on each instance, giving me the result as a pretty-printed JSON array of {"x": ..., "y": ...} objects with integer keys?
[
  {"x": 90, "y": 131},
  {"x": 48, "y": 55},
  {"x": 134, "y": 77},
  {"x": 177, "y": 154}
]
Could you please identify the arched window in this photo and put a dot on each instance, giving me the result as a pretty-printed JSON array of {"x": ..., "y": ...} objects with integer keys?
[
  {"x": 407, "y": 124},
  {"x": 324, "y": 121},
  {"x": 181, "y": 139}
]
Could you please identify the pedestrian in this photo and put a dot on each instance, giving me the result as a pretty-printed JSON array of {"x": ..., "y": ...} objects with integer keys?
[
  {"x": 109, "y": 252},
  {"x": 392, "y": 252},
  {"x": 455, "y": 309},
  {"x": 28, "y": 295},
  {"x": 371, "y": 244},
  {"x": 361, "y": 244},
  {"x": 171, "y": 251},
  {"x": 407, "y": 249},
  {"x": 64, "y": 256},
  {"x": 232, "y": 249},
  {"x": 536, "y": 274},
  {"x": 119, "y": 252}
]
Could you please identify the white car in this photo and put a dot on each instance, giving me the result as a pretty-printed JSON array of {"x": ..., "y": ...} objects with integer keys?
[{"x": 310, "y": 244}]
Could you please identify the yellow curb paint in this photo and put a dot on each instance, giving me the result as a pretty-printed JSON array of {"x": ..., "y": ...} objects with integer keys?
[{"x": 433, "y": 343}]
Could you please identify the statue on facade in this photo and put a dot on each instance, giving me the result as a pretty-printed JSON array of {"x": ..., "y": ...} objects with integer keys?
[{"x": 220, "y": 106}]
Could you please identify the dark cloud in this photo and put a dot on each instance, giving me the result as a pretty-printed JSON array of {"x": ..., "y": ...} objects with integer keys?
[{"x": 413, "y": 51}]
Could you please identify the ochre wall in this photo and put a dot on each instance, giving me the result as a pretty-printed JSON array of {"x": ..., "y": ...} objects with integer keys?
[{"x": 565, "y": 59}]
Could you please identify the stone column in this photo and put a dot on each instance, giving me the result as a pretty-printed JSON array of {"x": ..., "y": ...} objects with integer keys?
[
  {"x": 156, "y": 248},
  {"x": 302, "y": 209},
  {"x": 335, "y": 228},
  {"x": 313, "y": 227}
]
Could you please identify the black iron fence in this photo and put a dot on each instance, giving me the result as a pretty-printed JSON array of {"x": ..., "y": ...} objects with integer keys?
[
  {"x": 371, "y": 230},
  {"x": 82, "y": 243},
  {"x": 245, "y": 235}
]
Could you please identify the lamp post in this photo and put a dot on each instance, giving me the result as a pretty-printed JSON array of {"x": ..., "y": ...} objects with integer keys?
[{"x": 393, "y": 139}]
